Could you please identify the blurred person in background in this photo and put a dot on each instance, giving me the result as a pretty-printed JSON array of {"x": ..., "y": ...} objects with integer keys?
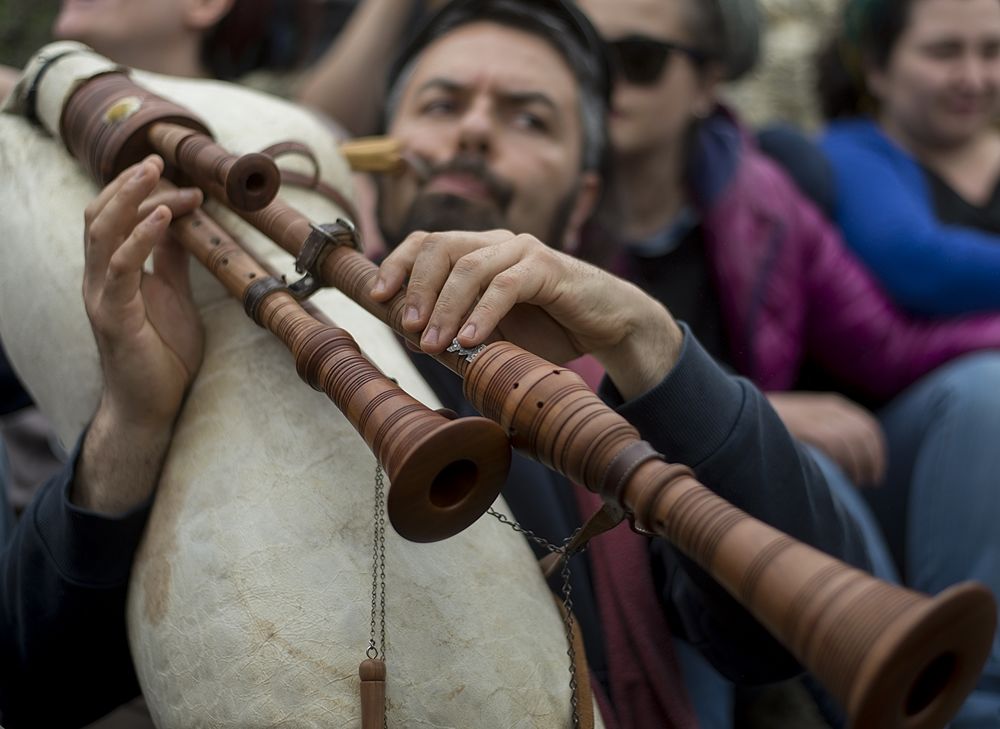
[
  {"x": 912, "y": 92},
  {"x": 223, "y": 39},
  {"x": 718, "y": 233}
]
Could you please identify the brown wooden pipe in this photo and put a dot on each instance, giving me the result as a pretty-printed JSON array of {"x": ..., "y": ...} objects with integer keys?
[
  {"x": 111, "y": 122},
  {"x": 249, "y": 181},
  {"x": 447, "y": 469},
  {"x": 894, "y": 658}
]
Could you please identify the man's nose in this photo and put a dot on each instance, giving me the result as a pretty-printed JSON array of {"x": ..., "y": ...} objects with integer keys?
[{"x": 477, "y": 129}]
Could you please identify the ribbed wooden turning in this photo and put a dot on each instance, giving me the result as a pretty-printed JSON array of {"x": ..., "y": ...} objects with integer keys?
[
  {"x": 893, "y": 657},
  {"x": 105, "y": 124},
  {"x": 442, "y": 471}
]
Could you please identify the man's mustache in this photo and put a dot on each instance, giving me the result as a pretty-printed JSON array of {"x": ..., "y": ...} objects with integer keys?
[{"x": 498, "y": 189}]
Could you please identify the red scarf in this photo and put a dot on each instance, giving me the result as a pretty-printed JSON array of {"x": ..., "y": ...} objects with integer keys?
[{"x": 647, "y": 688}]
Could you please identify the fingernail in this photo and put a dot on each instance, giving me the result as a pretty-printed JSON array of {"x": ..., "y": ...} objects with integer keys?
[
  {"x": 469, "y": 332},
  {"x": 411, "y": 315},
  {"x": 191, "y": 192},
  {"x": 379, "y": 286},
  {"x": 159, "y": 215},
  {"x": 139, "y": 173},
  {"x": 430, "y": 338}
]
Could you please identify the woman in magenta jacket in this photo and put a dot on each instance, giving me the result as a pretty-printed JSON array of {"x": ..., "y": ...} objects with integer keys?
[{"x": 719, "y": 234}]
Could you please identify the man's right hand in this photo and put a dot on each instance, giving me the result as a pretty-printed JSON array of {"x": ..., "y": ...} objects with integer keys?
[
  {"x": 148, "y": 334},
  {"x": 842, "y": 429},
  {"x": 147, "y": 329},
  {"x": 468, "y": 285}
]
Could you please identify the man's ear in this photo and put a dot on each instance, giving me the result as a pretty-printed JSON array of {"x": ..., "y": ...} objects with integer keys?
[
  {"x": 205, "y": 14},
  {"x": 587, "y": 196}
]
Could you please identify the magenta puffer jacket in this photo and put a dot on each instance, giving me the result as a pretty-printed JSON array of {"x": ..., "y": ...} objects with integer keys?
[{"x": 791, "y": 290}]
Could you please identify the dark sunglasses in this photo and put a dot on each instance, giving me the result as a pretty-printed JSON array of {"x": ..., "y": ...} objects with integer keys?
[{"x": 640, "y": 60}]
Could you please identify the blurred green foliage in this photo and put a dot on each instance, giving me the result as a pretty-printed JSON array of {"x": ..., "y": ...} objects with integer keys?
[{"x": 24, "y": 28}]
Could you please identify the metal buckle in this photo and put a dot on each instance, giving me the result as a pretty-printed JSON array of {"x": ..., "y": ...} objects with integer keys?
[{"x": 322, "y": 239}]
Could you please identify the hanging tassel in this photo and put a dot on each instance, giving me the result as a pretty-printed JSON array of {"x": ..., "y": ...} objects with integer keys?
[{"x": 372, "y": 672}]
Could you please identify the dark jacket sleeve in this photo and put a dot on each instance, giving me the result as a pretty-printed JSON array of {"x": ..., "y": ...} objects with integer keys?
[
  {"x": 64, "y": 657},
  {"x": 724, "y": 428}
]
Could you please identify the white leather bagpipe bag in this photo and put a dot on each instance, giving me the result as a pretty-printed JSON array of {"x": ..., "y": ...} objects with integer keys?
[{"x": 250, "y": 600}]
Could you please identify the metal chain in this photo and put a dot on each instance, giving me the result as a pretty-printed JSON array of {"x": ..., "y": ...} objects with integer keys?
[
  {"x": 567, "y": 601},
  {"x": 376, "y": 647},
  {"x": 376, "y": 650},
  {"x": 540, "y": 541},
  {"x": 567, "y": 593}
]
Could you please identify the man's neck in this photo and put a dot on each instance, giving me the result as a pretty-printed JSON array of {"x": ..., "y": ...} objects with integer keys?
[{"x": 650, "y": 189}]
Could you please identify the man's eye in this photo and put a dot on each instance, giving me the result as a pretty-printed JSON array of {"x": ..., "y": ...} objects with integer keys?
[
  {"x": 438, "y": 107},
  {"x": 533, "y": 122}
]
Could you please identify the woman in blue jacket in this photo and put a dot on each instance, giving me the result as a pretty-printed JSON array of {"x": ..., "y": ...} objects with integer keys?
[{"x": 912, "y": 90}]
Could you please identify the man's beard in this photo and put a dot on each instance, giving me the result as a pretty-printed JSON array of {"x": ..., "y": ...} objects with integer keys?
[
  {"x": 439, "y": 212},
  {"x": 436, "y": 212}
]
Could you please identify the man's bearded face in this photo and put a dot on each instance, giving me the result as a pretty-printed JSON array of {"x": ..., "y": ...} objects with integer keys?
[{"x": 491, "y": 114}]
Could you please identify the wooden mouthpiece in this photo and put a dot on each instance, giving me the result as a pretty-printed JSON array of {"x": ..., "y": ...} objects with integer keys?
[{"x": 373, "y": 154}]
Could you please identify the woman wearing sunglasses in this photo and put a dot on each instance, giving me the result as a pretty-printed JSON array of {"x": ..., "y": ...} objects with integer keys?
[
  {"x": 712, "y": 228},
  {"x": 914, "y": 88}
]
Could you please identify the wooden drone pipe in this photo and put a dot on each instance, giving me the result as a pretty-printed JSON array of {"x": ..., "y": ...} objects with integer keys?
[
  {"x": 111, "y": 123},
  {"x": 894, "y": 658},
  {"x": 247, "y": 182},
  {"x": 438, "y": 463}
]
